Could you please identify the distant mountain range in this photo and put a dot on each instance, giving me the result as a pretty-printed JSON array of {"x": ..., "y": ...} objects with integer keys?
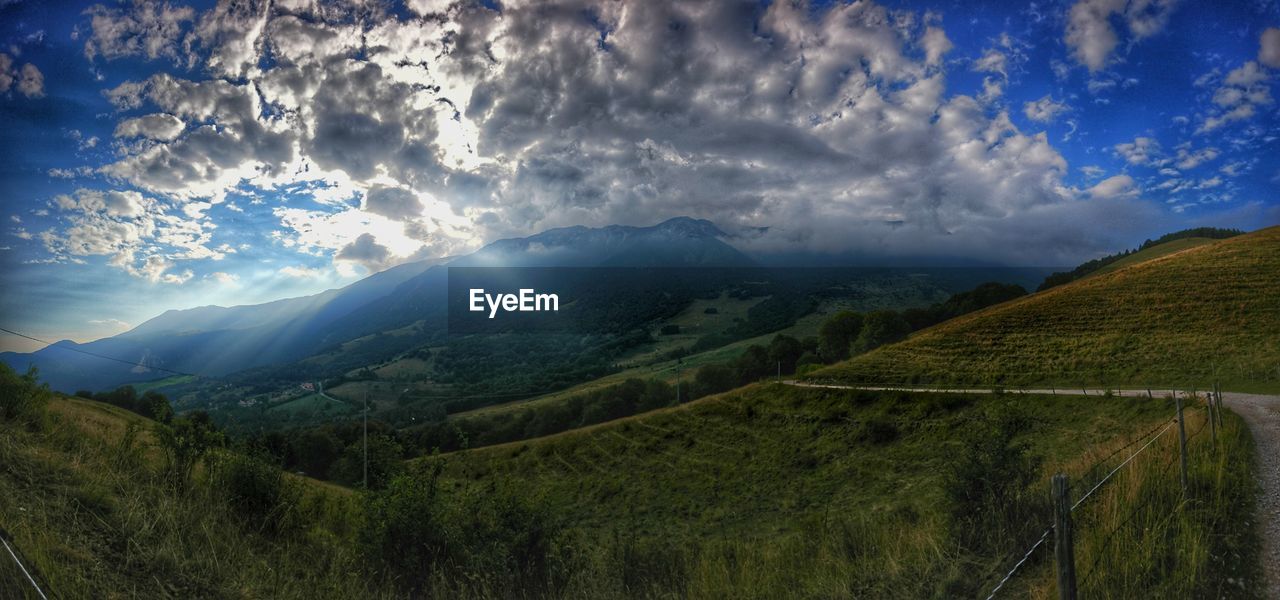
[{"x": 215, "y": 340}]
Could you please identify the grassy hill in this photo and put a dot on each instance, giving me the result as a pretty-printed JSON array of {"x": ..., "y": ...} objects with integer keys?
[
  {"x": 778, "y": 491},
  {"x": 1156, "y": 251},
  {"x": 84, "y": 496},
  {"x": 1210, "y": 311}
]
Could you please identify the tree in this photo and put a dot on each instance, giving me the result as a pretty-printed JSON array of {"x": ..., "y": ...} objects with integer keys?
[
  {"x": 837, "y": 333},
  {"x": 753, "y": 364},
  {"x": 185, "y": 442},
  {"x": 155, "y": 406},
  {"x": 785, "y": 350},
  {"x": 713, "y": 379},
  {"x": 316, "y": 450},
  {"x": 879, "y": 328}
]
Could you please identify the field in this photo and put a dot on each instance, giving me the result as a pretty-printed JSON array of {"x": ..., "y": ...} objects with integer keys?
[
  {"x": 83, "y": 497},
  {"x": 1153, "y": 252},
  {"x": 1211, "y": 312},
  {"x": 736, "y": 488}
]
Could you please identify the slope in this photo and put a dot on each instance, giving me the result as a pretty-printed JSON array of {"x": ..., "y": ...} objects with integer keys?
[
  {"x": 1211, "y": 312},
  {"x": 1155, "y": 252}
]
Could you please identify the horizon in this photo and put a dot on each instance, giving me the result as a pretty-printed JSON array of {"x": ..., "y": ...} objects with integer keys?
[{"x": 176, "y": 155}]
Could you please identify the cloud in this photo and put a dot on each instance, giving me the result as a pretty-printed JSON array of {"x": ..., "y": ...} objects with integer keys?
[
  {"x": 1044, "y": 110},
  {"x": 392, "y": 202},
  {"x": 1090, "y": 34},
  {"x": 28, "y": 80},
  {"x": 1243, "y": 91},
  {"x": 1114, "y": 187},
  {"x": 367, "y": 252},
  {"x": 223, "y": 278},
  {"x": 1269, "y": 48},
  {"x": 1141, "y": 151},
  {"x": 477, "y": 123},
  {"x": 116, "y": 324},
  {"x": 162, "y": 127},
  {"x": 1187, "y": 159},
  {"x": 138, "y": 235},
  {"x": 936, "y": 45},
  {"x": 145, "y": 28},
  {"x": 297, "y": 272}
]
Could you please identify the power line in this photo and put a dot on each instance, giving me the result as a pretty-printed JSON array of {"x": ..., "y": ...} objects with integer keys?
[{"x": 102, "y": 356}]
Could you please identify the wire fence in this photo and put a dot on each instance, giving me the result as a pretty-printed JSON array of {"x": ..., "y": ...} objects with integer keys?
[
  {"x": 1151, "y": 437},
  {"x": 30, "y": 576}
]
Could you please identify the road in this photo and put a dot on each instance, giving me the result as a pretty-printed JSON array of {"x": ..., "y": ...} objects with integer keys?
[{"x": 1261, "y": 413}]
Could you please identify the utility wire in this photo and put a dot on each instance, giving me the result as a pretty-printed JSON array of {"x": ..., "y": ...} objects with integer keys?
[{"x": 102, "y": 356}]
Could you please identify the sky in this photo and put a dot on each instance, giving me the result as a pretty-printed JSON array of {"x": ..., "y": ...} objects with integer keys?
[{"x": 160, "y": 155}]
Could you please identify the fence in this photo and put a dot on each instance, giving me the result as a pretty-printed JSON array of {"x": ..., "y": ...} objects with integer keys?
[
  {"x": 29, "y": 576},
  {"x": 1062, "y": 527}
]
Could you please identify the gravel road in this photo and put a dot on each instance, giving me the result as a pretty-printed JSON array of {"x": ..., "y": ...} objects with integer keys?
[{"x": 1262, "y": 413}]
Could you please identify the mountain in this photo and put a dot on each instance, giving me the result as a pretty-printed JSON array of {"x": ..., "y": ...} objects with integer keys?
[
  {"x": 1203, "y": 313},
  {"x": 677, "y": 242},
  {"x": 211, "y": 340},
  {"x": 215, "y": 340}
]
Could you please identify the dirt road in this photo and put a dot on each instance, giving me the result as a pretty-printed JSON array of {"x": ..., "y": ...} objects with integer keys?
[{"x": 1262, "y": 413}]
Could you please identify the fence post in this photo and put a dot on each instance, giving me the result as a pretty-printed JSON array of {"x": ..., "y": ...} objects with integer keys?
[
  {"x": 1182, "y": 442},
  {"x": 1063, "y": 552},
  {"x": 1217, "y": 400},
  {"x": 1213, "y": 420}
]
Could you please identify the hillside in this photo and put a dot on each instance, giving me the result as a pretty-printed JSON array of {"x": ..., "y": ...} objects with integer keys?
[
  {"x": 1207, "y": 312},
  {"x": 1155, "y": 252},
  {"x": 778, "y": 491}
]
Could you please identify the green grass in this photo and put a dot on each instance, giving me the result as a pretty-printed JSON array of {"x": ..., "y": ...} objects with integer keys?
[
  {"x": 778, "y": 491},
  {"x": 83, "y": 498},
  {"x": 1211, "y": 312},
  {"x": 1156, "y": 251}
]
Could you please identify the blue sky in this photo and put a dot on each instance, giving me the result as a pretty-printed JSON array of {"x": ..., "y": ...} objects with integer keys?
[{"x": 169, "y": 155}]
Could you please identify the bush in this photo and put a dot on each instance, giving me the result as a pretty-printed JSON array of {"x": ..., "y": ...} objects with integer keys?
[
  {"x": 186, "y": 442},
  {"x": 670, "y": 329},
  {"x": 988, "y": 492},
  {"x": 21, "y": 397},
  {"x": 256, "y": 490},
  {"x": 837, "y": 333},
  {"x": 495, "y": 534},
  {"x": 879, "y": 328}
]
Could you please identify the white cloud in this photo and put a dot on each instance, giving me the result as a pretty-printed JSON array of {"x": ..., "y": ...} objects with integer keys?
[
  {"x": 137, "y": 234},
  {"x": 28, "y": 80},
  {"x": 1269, "y": 48},
  {"x": 1092, "y": 38},
  {"x": 301, "y": 272},
  {"x": 1242, "y": 92},
  {"x": 1141, "y": 151},
  {"x": 163, "y": 127},
  {"x": 146, "y": 28},
  {"x": 936, "y": 45},
  {"x": 1114, "y": 187},
  {"x": 223, "y": 278},
  {"x": 1044, "y": 110},
  {"x": 488, "y": 124},
  {"x": 1187, "y": 159}
]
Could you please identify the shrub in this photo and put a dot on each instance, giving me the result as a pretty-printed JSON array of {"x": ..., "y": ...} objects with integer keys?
[
  {"x": 21, "y": 398},
  {"x": 988, "y": 490},
  {"x": 256, "y": 490}
]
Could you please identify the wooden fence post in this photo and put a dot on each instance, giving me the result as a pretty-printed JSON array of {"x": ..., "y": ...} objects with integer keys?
[
  {"x": 1182, "y": 442},
  {"x": 1063, "y": 552},
  {"x": 1213, "y": 421}
]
